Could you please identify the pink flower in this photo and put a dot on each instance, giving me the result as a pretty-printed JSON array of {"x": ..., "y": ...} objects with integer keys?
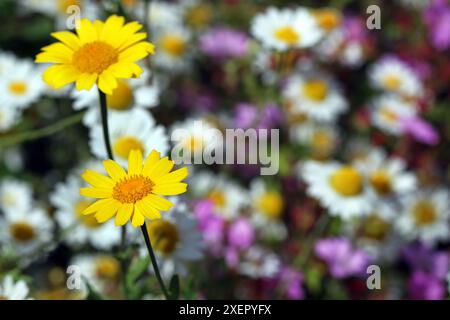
[
  {"x": 224, "y": 43},
  {"x": 241, "y": 234},
  {"x": 420, "y": 129}
]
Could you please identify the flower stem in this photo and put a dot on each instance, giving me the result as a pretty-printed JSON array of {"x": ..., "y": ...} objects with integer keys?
[
  {"x": 104, "y": 115},
  {"x": 154, "y": 262}
]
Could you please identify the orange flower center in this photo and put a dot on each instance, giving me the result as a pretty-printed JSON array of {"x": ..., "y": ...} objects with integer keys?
[
  {"x": 18, "y": 88},
  {"x": 424, "y": 212},
  {"x": 392, "y": 82},
  {"x": 95, "y": 57},
  {"x": 22, "y": 231},
  {"x": 107, "y": 268},
  {"x": 122, "y": 97},
  {"x": 123, "y": 146},
  {"x": 315, "y": 90},
  {"x": 132, "y": 189},
  {"x": 347, "y": 181},
  {"x": 287, "y": 35},
  {"x": 164, "y": 235},
  {"x": 173, "y": 45},
  {"x": 328, "y": 19},
  {"x": 381, "y": 182}
]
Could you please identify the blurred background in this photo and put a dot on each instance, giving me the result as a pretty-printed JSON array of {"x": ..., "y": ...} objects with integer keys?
[{"x": 361, "y": 101}]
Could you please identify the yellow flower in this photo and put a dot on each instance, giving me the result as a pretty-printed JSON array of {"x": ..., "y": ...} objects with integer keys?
[
  {"x": 99, "y": 53},
  {"x": 136, "y": 194}
]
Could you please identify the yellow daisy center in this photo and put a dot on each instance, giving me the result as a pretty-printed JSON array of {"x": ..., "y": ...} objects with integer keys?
[
  {"x": 124, "y": 145},
  {"x": 122, "y": 97},
  {"x": 392, "y": 82},
  {"x": 315, "y": 90},
  {"x": 3, "y": 298},
  {"x": 87, "y": 220},
  {"x": 107, "y": 268},
  {"x": 424, "y": 212},
  {"x": 381, "y": 181},
  {"x": 129, "y": 3},
  {"x": 164, "y": 235},
  {"x": 376, "y": 228},
  {"x": 347, "y": 181},
  {"x": 95, "y": 57},
  {"x": 271, "y": 204},
  {"x": 173, "y": 45},
  {"x": 328, "y": 19},
  {"x": 218, "y": 197},
  {"x": 321, "y": 140},
  {"x": 22, "y": 231},
  {"x": 132, "y": 189},
  {"x": 64, "y": 4},
  {"x": 199, "y": 15},
  {"x": 18, "y": 88},
  {"x": 388, "y": 114},
  {"x": 287, "y": 35}
]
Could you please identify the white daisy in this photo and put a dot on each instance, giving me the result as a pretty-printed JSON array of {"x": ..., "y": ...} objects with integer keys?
[
  {"x": 21, "y": 86},
  {"x": 321, "y": 138},
  {"x": 386, "y": 176},
  {"x": 79, "y": 228},
  {"x": 143, "y": 134},
  {"x": 130, "y": 93},
  {"x": 395, "y": 76},
  {"x": 425, "y": 216},
  {"x": 315, "y": 95},
  {"x": 228, "y": 197},
  {"x": 267, "y": 208},
  {"x": 339, "y": 188},
  {"x": 161, "y": 13},
  {"x": 387, "y": 112},
  {"x": 195, "y": 136},
  {"x": 102, "y": 271},
  {"x": 13, "y": 290},
  {"x": 26, "y": 232},
  {"x": 15, "y": 196},
  {"x": 282, "y": 29},
  {"x": 258, "y": 262},
  {"x": 176, "y": 240},
  {"x": 9, "y": 116},
  {"x": 7, "y": 63},
  {"x": 173, "y": 45}
]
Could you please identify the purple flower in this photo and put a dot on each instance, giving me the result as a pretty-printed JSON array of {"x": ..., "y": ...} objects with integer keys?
[
  {"x": 355, "y": 28},
  {"x": 437, "y": 18},
  {"x": 420, "y": 257},
  {"x": 211, "y": 225},
  {"x": 420, "y": 129},
  {"x": 423, "y": 286},
  {"x": 245, "y": 115},
  {"x": 292, "y": 281},
  {"x": 224, "y": 43},
  {"x": 271, "y": 117},
  {"x": 342, "y": 259},
  {"x": 241, "y": 234}
]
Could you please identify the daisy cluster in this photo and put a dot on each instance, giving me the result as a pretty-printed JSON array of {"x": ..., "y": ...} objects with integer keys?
[{"x": 363, "y": 160}]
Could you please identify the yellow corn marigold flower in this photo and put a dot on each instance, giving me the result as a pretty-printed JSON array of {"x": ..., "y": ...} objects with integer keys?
[
  {"x": 99, "y": 53},
  {"x": 135, "y": 195}
]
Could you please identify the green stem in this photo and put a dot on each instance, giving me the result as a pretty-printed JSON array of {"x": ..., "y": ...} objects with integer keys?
[
  {"x": 154, "y": 262},
  {"x": 318, "y": 230},
  {"x": 42, "y": 132},
  {"x": 104, "y": 115}
]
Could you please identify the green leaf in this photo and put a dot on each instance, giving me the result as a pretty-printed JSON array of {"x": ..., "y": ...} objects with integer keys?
[
  {"x": 92, "y": 293},
  {"x": 137, "y": 268},
  {"x": 174, "y": 287}
]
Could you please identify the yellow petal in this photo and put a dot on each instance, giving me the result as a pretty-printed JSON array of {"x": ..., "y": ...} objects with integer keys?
[
  {"x": 86, "y": 31},
  {"x": 108, "y": 211},
  {"x": 58, "y": 76},
  {"x": 172, "y": 177},
  {"x": 150, "y": 162},
  {"x": 147, "y": 210},
  {"x": 95, "y": 179},
  {"x": 96, "y": 192},
  {"x": 137, "y": 52},
  {"x": 124, "y": 214},
  {"x": 170, "y": 189},
  {"x": 106, "y": 82},
  {"x": 68, "y": 38},
  {"x": 162, "y": 167},
  {"x": 135, "y": 162},
  {"x": 114, "y": 170},
  {"x": 138, "y": 219},
  {"x": 97, "y": 205},
  {"x": 55, "y": 53},
  {"x": 86, "y": 81},
  {"x": 157, "y": 202}
]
